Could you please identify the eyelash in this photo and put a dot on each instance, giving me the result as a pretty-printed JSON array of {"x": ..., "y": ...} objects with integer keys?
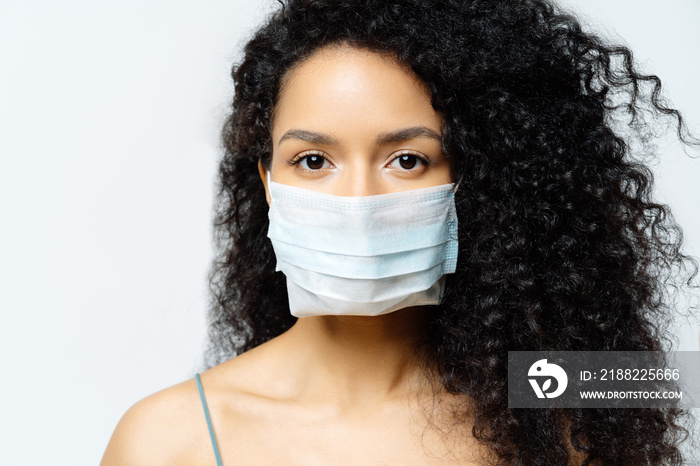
[{"x": 296, "y": 161}]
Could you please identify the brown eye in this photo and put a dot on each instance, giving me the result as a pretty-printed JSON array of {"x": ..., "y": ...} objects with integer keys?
[
  {"x": 313, "y": 162},
  {"x": 407, "y": 162}
]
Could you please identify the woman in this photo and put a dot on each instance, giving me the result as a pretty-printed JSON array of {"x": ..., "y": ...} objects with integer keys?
[{"x": 359, "y": 129}]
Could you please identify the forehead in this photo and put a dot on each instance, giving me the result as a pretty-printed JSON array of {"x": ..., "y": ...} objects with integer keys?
[{"x": 351, "y": 89}]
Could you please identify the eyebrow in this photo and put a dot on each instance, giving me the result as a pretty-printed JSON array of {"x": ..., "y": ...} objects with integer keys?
[
  {"x": 309, "y": 136},
  {"x": 383, "y": 139},
  {"x": 406, "y": 134}
]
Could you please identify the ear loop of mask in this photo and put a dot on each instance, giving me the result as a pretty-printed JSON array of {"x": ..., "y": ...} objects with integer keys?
[{"x": 456, "y": 185}]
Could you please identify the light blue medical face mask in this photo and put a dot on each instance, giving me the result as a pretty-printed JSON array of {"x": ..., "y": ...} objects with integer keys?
[{"x": 367, "y": 255}]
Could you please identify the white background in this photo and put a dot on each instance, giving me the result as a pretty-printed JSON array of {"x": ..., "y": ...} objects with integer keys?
[{"x": 109, "y": 121}]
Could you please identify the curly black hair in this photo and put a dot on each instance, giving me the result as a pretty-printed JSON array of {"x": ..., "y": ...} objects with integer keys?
[{"x": 562, "y": 246}]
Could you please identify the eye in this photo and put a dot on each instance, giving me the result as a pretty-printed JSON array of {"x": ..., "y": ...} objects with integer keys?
[
  {"x": 408, "y": 161},
  {"x": 312, "y": 161}
]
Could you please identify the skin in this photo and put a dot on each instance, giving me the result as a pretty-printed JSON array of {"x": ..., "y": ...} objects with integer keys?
[{"x": 332, "y": 389}]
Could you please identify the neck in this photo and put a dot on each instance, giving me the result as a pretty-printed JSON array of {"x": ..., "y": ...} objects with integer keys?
[{"x": 360, "y": 359}]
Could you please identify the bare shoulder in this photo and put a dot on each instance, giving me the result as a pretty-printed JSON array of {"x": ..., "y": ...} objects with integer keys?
[{"x": 167, "y": 427}]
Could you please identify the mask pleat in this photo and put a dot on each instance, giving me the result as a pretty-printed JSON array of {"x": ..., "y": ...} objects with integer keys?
[
  {"x": 372, "y": 267},
  {"x": 360, "y": 289}
]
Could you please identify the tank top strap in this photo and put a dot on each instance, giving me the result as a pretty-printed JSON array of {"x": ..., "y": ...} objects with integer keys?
[{"x": 206, "y": 415}]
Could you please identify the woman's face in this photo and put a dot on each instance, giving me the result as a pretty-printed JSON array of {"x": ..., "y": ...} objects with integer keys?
[{"x": 351, "y": 122}]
